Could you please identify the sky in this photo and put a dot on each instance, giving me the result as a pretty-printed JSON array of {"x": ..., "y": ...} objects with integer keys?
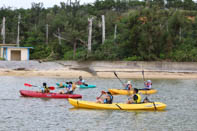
[{"x": 27, "y": 3}]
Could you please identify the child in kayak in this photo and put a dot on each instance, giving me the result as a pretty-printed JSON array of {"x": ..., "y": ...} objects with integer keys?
[
  {"x": 106, "y": 98},
  {"x": 135, "y": 98},
  {"x": 45, "y": 88},
  {"x": 70, "y": 88},
  {"x": 148, "y": 85},
  {"x": 128, "y": 86},
  {"x": 81, "y": 81}
]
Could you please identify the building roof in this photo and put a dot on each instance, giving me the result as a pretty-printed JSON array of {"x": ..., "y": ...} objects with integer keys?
[{"x": 16, "y": 47}]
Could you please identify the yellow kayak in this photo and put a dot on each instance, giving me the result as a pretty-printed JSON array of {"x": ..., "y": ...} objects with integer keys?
[
  {"x": 117, "y": 106},
  {"x": 127, "y": 92}
]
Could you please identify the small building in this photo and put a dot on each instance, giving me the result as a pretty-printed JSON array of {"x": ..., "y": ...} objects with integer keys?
[{"x": 13, "y": 53}]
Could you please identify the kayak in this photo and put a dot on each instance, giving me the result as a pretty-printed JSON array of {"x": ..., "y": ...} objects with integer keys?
[
  {"x": 80, "y": 86},
  {"x": 47, "y": 95},
  {"x": 117, "y": 106},
  {"x": 126, "y": 92},
  {"x": 62, "y": 85},
  {"x": 88, "y": 86}
]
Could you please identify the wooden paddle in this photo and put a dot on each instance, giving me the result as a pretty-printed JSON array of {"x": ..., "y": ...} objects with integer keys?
[
  {"x": 143, "y": 75},
  {"x": 119, "y": 79},
  {"x": 121, "y": 82},
  {"x": 30, "y": 85}
]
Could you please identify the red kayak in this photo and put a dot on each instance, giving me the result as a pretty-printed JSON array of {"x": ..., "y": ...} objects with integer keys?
[{"x": 48, "y": 95}]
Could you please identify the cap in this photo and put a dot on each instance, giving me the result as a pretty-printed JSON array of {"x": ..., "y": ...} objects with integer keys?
[{"x": 128, "y": 82}]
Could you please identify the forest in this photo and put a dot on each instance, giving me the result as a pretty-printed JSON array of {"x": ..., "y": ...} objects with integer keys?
[{"x": 125, "y": 30}]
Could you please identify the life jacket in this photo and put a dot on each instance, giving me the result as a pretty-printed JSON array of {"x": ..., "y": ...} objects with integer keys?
[
  {"x": 148, "y": 85},
  {"x": 61, "y": 85},
  {"x": 137, "y": 99},
  {"x": 79, "y": 83},
  {"x": 106, "y": 101},
  {"x": 46, "y": 89},
  {"x": 73, "y": 87},
  {"x": 69, "y": 86},
  {"x": 128, "y": 87}
]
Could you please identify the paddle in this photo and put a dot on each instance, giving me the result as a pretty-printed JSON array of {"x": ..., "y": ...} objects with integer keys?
[
  {"x": 143, "y": 79},
  {"x": 119, "y": 79},
  {"x": 143, "y": 74},
  {"x": 121, "y": 82},
  {"x": 102, "y": 92},
  {"x": 29, "y": 85}
]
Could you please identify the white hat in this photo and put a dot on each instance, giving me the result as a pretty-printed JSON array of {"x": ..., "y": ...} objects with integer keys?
[
  {"x": 149, "y": 81},
  {"x": 128, "y": 82}
]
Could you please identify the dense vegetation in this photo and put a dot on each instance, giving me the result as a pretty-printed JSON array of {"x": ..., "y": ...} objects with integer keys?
[{"x": 146, "y": 30}]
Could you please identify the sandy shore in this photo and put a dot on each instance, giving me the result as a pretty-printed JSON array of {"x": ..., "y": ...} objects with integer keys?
[{"x": 88, "y": 70}]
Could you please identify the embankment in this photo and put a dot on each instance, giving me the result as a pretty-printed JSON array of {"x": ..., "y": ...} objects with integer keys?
[{"x": 104, "y": 69}]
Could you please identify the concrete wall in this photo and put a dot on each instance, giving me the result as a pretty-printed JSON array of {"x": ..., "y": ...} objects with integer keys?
[
  {"x": 103, "y": 66},
  {"x": 137, "y": 65}
]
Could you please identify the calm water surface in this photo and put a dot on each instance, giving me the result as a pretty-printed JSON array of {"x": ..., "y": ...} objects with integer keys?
[{"x": 26, "y": 114}]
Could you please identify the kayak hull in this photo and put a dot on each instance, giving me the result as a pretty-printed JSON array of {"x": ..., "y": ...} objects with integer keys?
[
  {"x": 126, "y": 92},
  {"x": 27, "y": 93},
  {"x": 117, "y": 106},
  {"x": 89, "y": 86}
]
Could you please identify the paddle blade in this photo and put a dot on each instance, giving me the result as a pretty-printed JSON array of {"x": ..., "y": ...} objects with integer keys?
[
  {"x": 115, "y": 74},
  {"x": 103, "y": 92},
  {"x": 52, "y": 88},
  {"x": 26, "y": 84}
]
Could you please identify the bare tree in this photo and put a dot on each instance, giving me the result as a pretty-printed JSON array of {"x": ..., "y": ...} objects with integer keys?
[
  {"x": 103, "y": 29},
  {"x": 90, "y": 34},
  {"x": 3, "y": 30},
  {"x": 47, "y": 34},
  {"x": 59, "y": 36},
  {"x": 18, "y": 34},
  {"x": 115, "y": 31}
]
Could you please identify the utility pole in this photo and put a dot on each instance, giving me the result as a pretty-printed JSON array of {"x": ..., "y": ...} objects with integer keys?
[
  {"x": 18, "y": 35},
  {"x": 3, "y": 30}
]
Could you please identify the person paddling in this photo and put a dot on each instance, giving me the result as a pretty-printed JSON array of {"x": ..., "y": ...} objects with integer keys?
[
  {"x": 148, "y": 85},
  {"x": 81, "y": 81},
  {"x": 70, "y": 88},
  {"x": 106, "y": 98},
  {"x": 135, "y": 98},
  {"x": 45, "y": 88},
  {"x": 128, "y": 86}
]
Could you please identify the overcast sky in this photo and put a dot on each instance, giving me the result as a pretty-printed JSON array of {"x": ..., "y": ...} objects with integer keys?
[{"x": 27, "y": 3}]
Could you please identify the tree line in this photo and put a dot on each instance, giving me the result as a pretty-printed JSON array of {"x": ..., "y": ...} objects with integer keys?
[{"x": 149, "y": 30}]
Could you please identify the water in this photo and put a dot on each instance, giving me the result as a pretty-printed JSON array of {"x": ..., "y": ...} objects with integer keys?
[{"x": 30, "y": 114}]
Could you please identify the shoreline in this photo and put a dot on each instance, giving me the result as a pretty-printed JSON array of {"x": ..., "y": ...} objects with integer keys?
[
  {"x": 100, "y": 69},
  {"x": 99, "y": 74}
]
